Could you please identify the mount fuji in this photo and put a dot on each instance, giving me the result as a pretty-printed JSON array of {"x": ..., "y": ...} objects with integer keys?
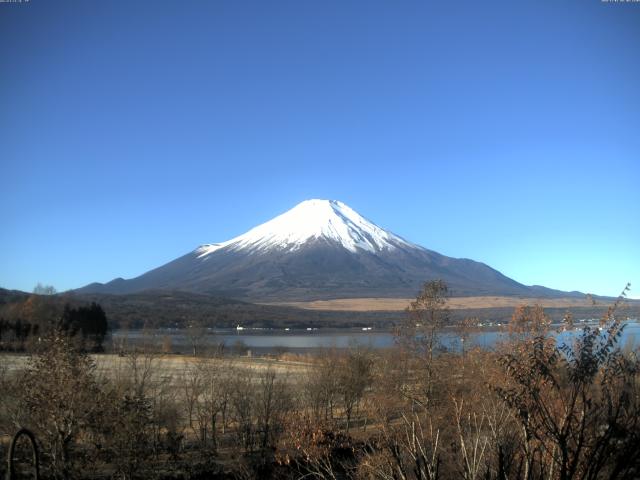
[{"x": 320, "y": 249}]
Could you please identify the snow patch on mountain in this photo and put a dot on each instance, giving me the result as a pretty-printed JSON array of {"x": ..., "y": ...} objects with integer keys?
[{"x": 313, "y": 220}]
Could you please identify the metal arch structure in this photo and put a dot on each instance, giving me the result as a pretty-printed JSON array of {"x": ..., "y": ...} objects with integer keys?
[{"x": 11, "y": 474}]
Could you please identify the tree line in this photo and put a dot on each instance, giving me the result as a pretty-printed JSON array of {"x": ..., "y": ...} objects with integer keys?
[{"x": 24, "y": 324}]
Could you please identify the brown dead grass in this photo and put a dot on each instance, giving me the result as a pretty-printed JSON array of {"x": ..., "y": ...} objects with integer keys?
[
  {"x": 456, "y": 303},
  {"x": 174, "y": 365}
]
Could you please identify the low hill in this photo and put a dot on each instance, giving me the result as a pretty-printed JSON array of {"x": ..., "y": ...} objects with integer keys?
[{"x": 155, "y": 309}]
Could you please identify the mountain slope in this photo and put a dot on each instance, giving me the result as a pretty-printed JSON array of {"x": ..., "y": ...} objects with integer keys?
[{"x": 320, "y": 249}]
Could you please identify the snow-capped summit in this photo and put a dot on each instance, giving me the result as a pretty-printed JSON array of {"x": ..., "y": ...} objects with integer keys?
[{"x": 311, "y": 220}]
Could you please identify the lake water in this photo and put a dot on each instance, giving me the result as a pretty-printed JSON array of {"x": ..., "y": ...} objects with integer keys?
[{"x": 303, "y": 340}]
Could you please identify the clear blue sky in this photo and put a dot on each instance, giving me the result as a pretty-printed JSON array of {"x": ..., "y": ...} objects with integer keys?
[{"x": 503, "y": 131}]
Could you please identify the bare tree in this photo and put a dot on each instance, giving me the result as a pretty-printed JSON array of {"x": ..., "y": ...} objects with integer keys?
[
  {"x": 354, "y": 377},
  {"x": 408, "y": 449},
  {"x": 473, "y": 441},
  {"x": 41, "y": 289},
  {"x": 197, "y": 334},
  {"x": 465, "y": 328},
  {"x": 273, "y": 401},
  {"x": 321, "y": 386},
  {"x": 419, "y": 333},
  {"x": 212, "y": 402},
  {"x": 242, "y": 402},
  {"x": 60, "y": 398},
  {"x": 192, "y": 386}
]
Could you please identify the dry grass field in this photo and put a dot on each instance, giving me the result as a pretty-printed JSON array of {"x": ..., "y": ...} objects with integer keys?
[
  {"x": 398, "y": 304},
  {"x": 172, "y": 366}
]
